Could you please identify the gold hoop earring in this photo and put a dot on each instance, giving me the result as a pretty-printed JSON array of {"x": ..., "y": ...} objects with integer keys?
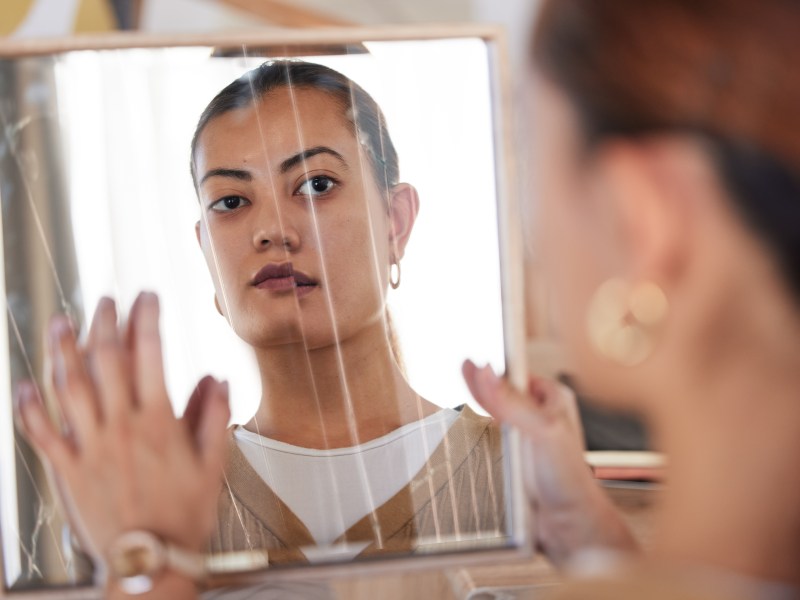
[
  {"x": 622, "y": 318},
  {"x": 394, "y": 274}
]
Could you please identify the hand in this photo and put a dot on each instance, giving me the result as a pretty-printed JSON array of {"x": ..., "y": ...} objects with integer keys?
[
  {"x": 572, "y": 512},
  {"x": 126, "y": 462}
]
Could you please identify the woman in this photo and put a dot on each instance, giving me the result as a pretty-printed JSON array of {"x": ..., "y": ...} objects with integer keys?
[
  {"x": 667, "y": 154},
  {"x": 668, "y": 175},
  {"x": 303, "y": 223}
]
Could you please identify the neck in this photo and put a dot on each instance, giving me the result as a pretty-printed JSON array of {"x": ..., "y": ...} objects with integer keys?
[
  {"x": 335, "y": 396},
  {"x": 732, "y": 500}
]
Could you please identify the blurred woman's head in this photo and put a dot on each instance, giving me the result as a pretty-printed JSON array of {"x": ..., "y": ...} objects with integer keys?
[
  {"x": 302, "y": 214},
  {"x": 668, "y": 147}
]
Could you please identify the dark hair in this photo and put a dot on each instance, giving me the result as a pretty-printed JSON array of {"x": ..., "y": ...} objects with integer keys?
[
  {"x": 722, "y": 69},
  {"x": 357, "y": 106}
]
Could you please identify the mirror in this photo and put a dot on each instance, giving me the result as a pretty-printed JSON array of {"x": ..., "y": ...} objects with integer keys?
[{"x": 337, "y": 292}]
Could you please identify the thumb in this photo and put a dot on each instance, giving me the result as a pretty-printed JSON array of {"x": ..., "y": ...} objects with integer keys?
[{"x": 503, "y": 401}]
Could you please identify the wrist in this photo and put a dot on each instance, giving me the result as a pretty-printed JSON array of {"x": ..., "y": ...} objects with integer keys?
[
  {"x": 167, "y": 585},
  {"x": 139, "y": 562},
  {"x": 612, "y": 531}
]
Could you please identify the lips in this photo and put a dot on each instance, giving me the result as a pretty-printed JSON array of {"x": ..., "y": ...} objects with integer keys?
[{"x": 282, "y": 277}]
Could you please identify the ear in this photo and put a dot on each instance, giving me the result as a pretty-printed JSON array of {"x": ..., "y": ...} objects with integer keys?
[
  {"x": 197, "y": 234},
  {"x": 403, "y": 209},
  {"x": 654, "y": 188}
]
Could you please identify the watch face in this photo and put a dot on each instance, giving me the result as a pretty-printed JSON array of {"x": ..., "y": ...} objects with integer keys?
[{"x": 134, "y": 558}]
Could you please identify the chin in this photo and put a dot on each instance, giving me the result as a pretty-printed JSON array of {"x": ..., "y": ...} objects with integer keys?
[{"x": 285, "y": 332}]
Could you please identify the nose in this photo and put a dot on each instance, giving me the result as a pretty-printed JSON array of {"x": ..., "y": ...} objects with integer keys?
[{"x": 272, "y": 231}]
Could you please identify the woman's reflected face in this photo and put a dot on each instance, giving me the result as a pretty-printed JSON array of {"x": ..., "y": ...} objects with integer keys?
[{"x": 293, "y": 227}]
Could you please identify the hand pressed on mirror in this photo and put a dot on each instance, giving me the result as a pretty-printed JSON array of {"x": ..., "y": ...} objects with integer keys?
[
  {"x": 126, "y": 462},
  {"x": 572, "y": 512}
]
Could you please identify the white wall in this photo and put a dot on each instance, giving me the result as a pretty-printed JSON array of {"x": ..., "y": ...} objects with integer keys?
[{"x": 212, "y": 15}]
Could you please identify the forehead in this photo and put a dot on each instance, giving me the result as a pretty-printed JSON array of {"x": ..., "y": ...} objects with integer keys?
[{"x": 279, "y": 124}]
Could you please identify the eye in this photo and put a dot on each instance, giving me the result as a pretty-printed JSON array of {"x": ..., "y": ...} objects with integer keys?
[
  {"x": 229, "y": 203},
  {"x": 316, "y": 186}
]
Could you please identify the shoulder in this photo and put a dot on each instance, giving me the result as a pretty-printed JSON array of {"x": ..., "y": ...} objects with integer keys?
[{"x": 485, "y": 431}]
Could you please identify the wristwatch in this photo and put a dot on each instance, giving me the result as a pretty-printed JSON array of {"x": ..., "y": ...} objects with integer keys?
[{"x": 136, "y": 559}]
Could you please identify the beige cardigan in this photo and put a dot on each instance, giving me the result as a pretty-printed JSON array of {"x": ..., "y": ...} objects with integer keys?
[{"x": 454, "y": 499}]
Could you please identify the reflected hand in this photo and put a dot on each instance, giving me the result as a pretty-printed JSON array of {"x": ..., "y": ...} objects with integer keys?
[
  {"x": 572, "y": 512},
  {"x": 126, "y": 462}
]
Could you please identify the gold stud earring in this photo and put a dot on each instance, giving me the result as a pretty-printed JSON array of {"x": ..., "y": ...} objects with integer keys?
[
  {"x": 394, "y": 273},
  {"x": 622, "y": 318}
]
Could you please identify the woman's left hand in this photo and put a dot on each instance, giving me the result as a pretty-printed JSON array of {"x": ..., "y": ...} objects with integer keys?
[
  {"x": 572, "y": 512},
  {"x": 125, "y": 461}
]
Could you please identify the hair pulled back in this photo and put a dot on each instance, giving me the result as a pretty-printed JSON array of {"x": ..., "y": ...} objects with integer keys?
[
  {"x": 722, "y": 69},
  {"x": 357, "y": 106}
]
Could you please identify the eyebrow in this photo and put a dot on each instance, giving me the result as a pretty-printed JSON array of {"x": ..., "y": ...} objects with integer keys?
[
  {"x": 298, "y": 158},
  {"x": 284, "y": 167},
  {"x": 239, "y": 174}
]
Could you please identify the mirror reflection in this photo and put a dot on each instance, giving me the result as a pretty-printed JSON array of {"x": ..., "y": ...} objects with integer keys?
[{"x": 321, "y": 231}]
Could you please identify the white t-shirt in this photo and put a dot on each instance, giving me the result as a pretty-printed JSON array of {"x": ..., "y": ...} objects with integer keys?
[{"x": 331, "y": 490}]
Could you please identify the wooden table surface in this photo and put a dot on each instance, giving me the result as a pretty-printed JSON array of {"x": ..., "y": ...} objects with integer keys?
[{"x": 635, "y": 502}]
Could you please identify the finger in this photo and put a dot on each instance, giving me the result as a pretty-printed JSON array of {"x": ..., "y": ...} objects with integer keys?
[
  {"x": 468, "y": 370},
  {"x": 128, "y": 338},
  {"x": 212, "y": 429},
  {"x": 569, "y": 403},
  {"x": 558, "y": 402},
  {"x": 148, "y": 362},
  {"x": 502, "y": 400},
  {"x": 91, "y": 338},
  {"x": 35, "y": 423},
  {"x": 482, "y": 385},
  {"x": 194, "y": 408},
  {"x": 110, "y": 365},
  {"x": 70, "y": 381}
]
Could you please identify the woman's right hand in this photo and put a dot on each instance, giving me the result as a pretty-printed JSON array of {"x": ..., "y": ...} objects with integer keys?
[
  {"x": 126, "y": 462},
  {"x": 572, "y": 513}
]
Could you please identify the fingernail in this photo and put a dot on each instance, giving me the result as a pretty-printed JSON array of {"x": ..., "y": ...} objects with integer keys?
[
  {"x": 149, "y": 299},
  {"x": 59, "y": 327},
  {"x": 23, "y": 398},
  {"x": 105, "y": 302},
  {"x": 149, "y": 310},
  {"x": 22, "y": 394}
]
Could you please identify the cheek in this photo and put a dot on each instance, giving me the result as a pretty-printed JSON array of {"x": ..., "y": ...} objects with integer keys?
[
  {"x": 563, "y": 240},
  {"x": 348, "y": 248},
  {"x": 556, "y": 231},
  {"x": 220, "y": 257}
]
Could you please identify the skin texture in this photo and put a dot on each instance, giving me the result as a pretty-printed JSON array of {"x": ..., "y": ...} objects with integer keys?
[
  {"x": 334, "y": 338},
  {"x": 276, "y": 221}
]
